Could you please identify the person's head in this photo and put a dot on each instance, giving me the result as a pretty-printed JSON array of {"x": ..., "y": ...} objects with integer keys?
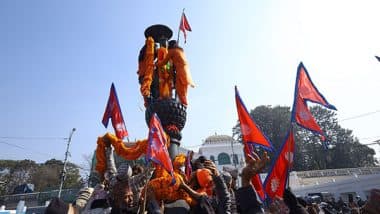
[
  {"x": 198, "y": 163},
  {"x": 204, "y": 180},
  {"x": 124, "y": 172},
  {"x": 122, "y": 195},
  {"x": 137, "y": 169},
  {"x": 57, "y": 206},
  {"x": 373, "y": 203},
  {"x": 227, "y": 179}
]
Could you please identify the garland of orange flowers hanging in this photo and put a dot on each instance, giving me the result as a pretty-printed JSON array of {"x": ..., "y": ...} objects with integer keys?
[
  {"x": 128, "y": 153},
  {"x": 165, "y": 190}
]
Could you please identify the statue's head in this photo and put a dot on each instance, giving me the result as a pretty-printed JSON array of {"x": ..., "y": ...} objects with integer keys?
[{"x": 173, "y": 44}]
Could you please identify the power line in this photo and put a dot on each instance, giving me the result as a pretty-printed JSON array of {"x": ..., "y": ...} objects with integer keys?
[
  {"x": 23, "y": 148},
  {"x": 33, "y": 138},
  {"x": 360, "y": 115}
]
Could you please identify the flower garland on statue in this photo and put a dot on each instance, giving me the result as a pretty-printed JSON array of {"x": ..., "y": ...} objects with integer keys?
[
  {"x": 162, "y": 183},
  {"x": 128, "y": 153}
]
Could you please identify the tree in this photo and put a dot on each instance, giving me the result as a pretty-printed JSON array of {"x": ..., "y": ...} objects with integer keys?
[
  {"x": 273, "y": 122},
  {"x": 345, "y": 150},
  {"x": 15, "y": 173},
  {"x": 48, "y": 176}
]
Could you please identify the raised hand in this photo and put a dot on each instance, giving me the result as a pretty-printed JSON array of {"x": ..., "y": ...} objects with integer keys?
[{"x": 255, "y": 165}]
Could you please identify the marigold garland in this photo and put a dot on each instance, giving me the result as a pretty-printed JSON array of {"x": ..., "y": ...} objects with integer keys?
[
  {"x": 128, "y": 153},
  {"x": 165, "y": 190}
]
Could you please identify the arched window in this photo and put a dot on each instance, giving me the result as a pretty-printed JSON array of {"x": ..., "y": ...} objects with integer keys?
[
  {"x": 223, "y": 159},
  {"x": 212, "y": 158}
]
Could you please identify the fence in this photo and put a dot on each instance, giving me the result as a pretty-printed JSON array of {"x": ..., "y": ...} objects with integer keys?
[{"x": 37, "y": 198}]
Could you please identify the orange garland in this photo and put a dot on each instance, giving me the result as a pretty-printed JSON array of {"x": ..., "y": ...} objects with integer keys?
[
  {"x": 101, "y": 162},
  {"x": 165, "y": 190},
  {"x": 162, "y": 184},
  {"x": 128, "y": 153}
]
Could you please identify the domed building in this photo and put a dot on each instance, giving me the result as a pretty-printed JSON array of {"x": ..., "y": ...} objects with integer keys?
[{"x": 224, "y": 151}]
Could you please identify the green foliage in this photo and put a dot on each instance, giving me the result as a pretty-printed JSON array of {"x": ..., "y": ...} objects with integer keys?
[
  {"x": 45, "y": 176},
  {"x": 345, "y": 150}
]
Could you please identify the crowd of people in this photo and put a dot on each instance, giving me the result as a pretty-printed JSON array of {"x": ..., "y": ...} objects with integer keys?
[{"x": 207, "y": 190}]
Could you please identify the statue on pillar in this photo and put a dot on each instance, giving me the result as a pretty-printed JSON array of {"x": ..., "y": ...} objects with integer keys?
[{"x": 164, "y": 77}]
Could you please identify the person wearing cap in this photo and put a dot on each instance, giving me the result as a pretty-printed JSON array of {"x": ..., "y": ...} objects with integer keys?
[
  {"x": 126, "y": 188},
  {"x": 208, "y": 189},
  {"x": 228, "y": 180}
]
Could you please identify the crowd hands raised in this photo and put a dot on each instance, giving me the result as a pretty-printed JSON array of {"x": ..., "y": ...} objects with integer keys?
[{"x": 128, "y": 190}]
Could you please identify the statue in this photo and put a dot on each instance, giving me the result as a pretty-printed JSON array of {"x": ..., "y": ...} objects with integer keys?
[
  {"x": 162, "y": 72},
  {"x": 183, "y": 78}
]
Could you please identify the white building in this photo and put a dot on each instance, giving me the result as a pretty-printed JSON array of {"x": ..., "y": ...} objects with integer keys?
[{"x": 224, "y": 151}]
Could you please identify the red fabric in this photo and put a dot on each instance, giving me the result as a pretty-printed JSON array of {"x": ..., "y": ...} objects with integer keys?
[
  {"x": 304, "y": 118},
  {"x": 184, "y": 25},
  {"x": 188, "y": 169},
  {"x": 113, "y": 111},
  {"x": 275, "y": 181},
  {"x": 306, "y": 89},
  {"x": 251, "y": 134},
  {"x": 256, "y": 182},
  {"x": 157, "y": 151},
  {"x": 249, "y": 130}
]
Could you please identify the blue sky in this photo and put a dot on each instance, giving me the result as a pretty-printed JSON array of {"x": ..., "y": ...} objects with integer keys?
[{"x": 59, "y": 58}]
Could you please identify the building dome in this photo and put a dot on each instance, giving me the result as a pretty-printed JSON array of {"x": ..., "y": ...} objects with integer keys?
[{"x": 216, "y": 139}]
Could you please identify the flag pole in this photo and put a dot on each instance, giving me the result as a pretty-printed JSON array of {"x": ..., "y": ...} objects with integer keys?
[{"x": 179, "y": 26}]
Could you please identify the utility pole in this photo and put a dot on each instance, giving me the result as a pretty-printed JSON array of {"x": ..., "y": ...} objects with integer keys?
[
  {"x": 63, "y": 174},
  {"x": 233, "y": 153}
]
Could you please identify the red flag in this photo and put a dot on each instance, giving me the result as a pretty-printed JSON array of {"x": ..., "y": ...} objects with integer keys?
[
  {"x": 113, "y": 111},
  {"x": 258, "y": 184},
  {"x": 184, "y": 25},
  {"x": 305, "y": 119},
  {"x": 188, "y": 169},
  {"x": 249, "y": 130},
  {"x": 278, "y": 175},
  {"x": 157, "y": 151},
  {"x": 251, "y": 135},
  {"x": 307, "y": 90}
]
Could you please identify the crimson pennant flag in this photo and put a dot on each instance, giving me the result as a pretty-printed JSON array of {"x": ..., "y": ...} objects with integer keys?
[
  {"x": 157, "y": 151},
  {"x": 251, "y": 134},
  {"x": 113, "y": 111},
  {"x": 278, "y": 175},
  {"x": 305, "y": 91},
  {"x": 305, "y": 119},
  {"x": 184, "y": 25}
]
